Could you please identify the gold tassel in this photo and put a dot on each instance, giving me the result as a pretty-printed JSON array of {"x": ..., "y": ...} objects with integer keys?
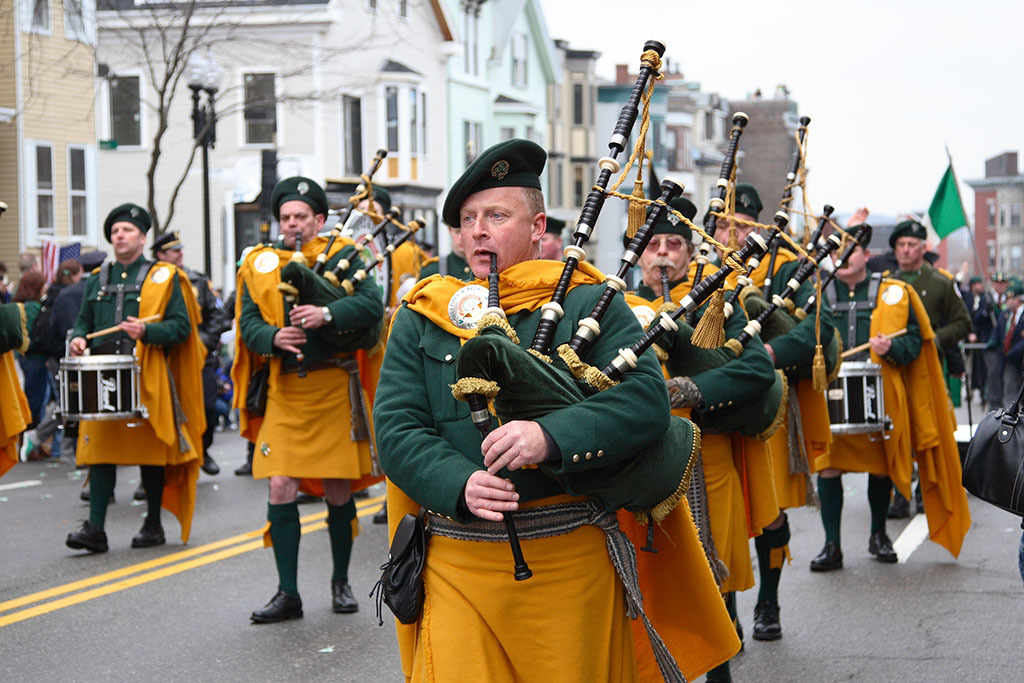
[
  {"x": 637, "y": 211},
  {"x": 710, "y": 331},
  {"x": 818, "y": 374}
]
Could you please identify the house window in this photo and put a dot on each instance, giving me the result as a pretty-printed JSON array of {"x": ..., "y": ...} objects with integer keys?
[
  {"x": 577, "y": 186},
  {"x": 1015, "y": 261},
  {"x": 260, "y": 109},
  {"x": 709, "y": 125},
  {"x": 352, "y": 133},
  {"x": 577, "y": 104},
  {"x": 391, "y": 114},
  {"x": 1014, "y": 215},
  {"x": 507, "y": 133},
  {"x": 424, "y": 150},
  {"x": 991, "y": 212},
  {"x": 125, "y": 111},
  {"x": 40, "y": 16},
  {"x": 403, "y": 9},
  {"x": 75, "y": 25},
  {"x": 472, "y": 133},
  {"x": 43, "y": 188},
  {"x": 472, "y": 42},
  {"x": 78, "y": 191},
  {"x": 519, "y": 59},
  {"x": 417, "y": 121},
  {"x": 555, "y": 182},
  {"x": 371, "y": 5},
  {"x": 991, "y": 255}
]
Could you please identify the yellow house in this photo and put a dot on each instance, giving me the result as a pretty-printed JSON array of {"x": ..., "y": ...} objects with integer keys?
[{"x": 47, "y": 125}]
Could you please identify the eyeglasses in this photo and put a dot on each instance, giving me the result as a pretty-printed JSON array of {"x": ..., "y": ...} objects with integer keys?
[{"x": 671, "y": 242}]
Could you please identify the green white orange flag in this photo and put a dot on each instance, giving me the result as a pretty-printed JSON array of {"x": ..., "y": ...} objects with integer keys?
[{"x": 946, "y": 212}]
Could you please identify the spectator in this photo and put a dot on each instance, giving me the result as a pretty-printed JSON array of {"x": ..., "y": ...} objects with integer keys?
[{"x": 5, "y": 284}]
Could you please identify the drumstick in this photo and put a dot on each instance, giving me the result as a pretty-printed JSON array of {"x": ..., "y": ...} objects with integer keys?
[
  {"x": 115, "y": 328},
  {"x": 866, "y": 345}
]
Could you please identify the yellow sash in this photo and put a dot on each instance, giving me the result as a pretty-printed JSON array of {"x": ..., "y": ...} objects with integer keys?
[{"x": 14, "y": 412}]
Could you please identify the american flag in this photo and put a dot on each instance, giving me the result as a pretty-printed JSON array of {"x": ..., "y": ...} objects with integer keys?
[{"x": 54, "y": 254}]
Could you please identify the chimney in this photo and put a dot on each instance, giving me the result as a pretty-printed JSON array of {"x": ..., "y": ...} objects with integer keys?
[{"x": 621, "y": 74}]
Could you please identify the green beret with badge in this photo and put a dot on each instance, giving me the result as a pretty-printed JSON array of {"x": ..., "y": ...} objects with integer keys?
[
  {"x": 298, "y": 188},
  {"x": 131, "y": 213},
  {"x": 748, "y": 201},
  {"x": 668, "y": 224},
  {"x": 555, "y": 226},
  {"x": 909, "y": 228},
  {"x": 513, "y": 163},
  {"x": 167, "y": 241},
  {"x": 1000, "y": 276}
]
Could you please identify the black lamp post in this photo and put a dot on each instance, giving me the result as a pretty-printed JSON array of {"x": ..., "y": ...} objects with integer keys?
[{"x": 204, "y": 76}]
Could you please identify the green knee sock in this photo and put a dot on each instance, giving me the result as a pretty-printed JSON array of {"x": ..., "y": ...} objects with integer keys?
[
  {"x": 879, "y": 489},
  {"x": 285, "y": 534},
  {"x": 830, "y": 492},
  {"x": 339, "y": 527},
  {"x": 153, "y": 482},
  {"x": 770, "y": 575},
  {"x": 101, "y": 484}
]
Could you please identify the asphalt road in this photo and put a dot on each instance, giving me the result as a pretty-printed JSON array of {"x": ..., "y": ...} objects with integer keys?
[{"x": 180, "y": 612}]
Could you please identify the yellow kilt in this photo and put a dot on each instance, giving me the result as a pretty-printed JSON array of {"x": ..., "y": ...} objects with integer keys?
[
  {"x": 752, "y": 462},
  {"x": 306, "y": 432},
  {"x": 567, "y": 623},
  {"x": 727, "y": 511},
  {"x": 856, "y": 453}
]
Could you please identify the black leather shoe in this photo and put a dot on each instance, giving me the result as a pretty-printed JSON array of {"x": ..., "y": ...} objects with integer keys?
[
  {"x": 342, "y": 600},
  {"x": 880, "y": 546},
  {"x": 281, "y": 607},
  {"x": 140, "y": 492},
  {"x": 900, "y": 507},
  {"x": 210, "y": 466},
  {"x": 381, "y": 516},
  {"x": 88, "y": 537},
  {"x": 918, "y": 501},
  {"x": 245, "y": 469},
  {"x": 149, "y": 536},
  {"x": 766, "y": 621},
  {"x": 830, "y": 557}
]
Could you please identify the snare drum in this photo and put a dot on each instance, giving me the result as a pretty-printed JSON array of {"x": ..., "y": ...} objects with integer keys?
[
  {"x": 856, "y": 401},
  {"x": 102, "y": 387}
]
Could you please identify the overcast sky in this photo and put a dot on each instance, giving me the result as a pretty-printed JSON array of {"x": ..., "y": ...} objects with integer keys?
[{"x": 886, "y": 84}]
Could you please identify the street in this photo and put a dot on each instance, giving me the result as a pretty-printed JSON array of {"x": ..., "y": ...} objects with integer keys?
[{"x": 180, "y": 612}]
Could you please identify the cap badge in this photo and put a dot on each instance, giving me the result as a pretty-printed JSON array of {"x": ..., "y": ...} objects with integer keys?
[
  {"x": 134, "y": 213},
  {"x": 500, "y": 169},
  {"x": 302, "y": 187},
  {"x": 744, "y": 200},
  {"x": 671, "y": 217}
]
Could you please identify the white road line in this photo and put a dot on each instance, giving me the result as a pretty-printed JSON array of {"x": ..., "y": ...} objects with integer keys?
[
  {"x": 912, "y": 537},
  {"x": 21, "y": 484}
]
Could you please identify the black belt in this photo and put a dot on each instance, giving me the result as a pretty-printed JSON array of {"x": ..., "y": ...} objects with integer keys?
[{"x": 323, "y": 364}]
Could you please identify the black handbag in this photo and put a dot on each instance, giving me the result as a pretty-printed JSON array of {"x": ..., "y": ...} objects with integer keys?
[
  {"x": 993, "y": 469},
  {"x": 401, "y": 580},
  {"x": 256, "y": 395}
]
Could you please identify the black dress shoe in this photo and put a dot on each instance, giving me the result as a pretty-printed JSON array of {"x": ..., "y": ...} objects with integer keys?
[
  {"x": 342, "y": 600},
  {"x": 149, "y": 535},
  {"x": 281, "y": 607},
  {"x": 918, "y": 501},
  {"x": 140, "y": 492},
  {"x": 88, "y": 537},
  {"x": 900, "y": 507},
  {"x": 381, "y": 516},
  {"x": 245, "y": 469},
  {"x": 210, "y": 466},
  {"x": 880, "y": 546},
  {"x": 830, "y": 557},
  {"x": 766, "y": 621}
]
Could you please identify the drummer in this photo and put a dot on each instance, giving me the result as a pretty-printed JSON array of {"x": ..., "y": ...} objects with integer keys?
[
  {"x": 151, "y": 311},
  {"x": 866, "y": 308}
]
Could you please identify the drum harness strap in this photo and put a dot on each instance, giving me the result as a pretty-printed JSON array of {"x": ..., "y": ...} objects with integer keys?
[
  {"x": 124, "y": 343},
  {"x": 854, "y": 306}
]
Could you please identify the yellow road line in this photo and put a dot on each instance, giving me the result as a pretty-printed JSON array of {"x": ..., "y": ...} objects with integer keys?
[{"x": 365, "y": 508}]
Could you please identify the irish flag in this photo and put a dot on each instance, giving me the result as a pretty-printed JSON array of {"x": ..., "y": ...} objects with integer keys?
[{"x": 946, "y": 212}]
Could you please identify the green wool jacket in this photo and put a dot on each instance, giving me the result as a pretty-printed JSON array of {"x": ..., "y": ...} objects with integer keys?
[
  {"x": 10, "y": 326},
  {"x": 356, "y": 324},
  {"x": 97, "y": 312},
  {"x": 741, "y": 379},
  {"x": 457, "y": 267},
  {"x": 946, "y": 311},
  {"x": 904, "y": 349},
  {"x": 795, "y": 349},
  {"x": 429, "y": 447}
]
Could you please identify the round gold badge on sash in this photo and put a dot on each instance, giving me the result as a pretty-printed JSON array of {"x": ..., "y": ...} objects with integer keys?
[
  {"x": 160, "y": 275},
  {"x": 645, "y": 314},
  {"x": 467, "y": 306},
  {"x": 266, "y": 262},
  {"x": 892, "y": 295}
]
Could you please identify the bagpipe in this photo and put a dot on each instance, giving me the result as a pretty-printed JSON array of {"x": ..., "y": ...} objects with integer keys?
[{"x": 787, "y": 197}]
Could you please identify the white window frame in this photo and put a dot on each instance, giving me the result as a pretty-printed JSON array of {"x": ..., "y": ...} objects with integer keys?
[
  {"x": 398, "y": 146},
  {"x": 344, "y": 136},
  {"x": 107, "y": 124},
  {"x": 402, "y": 9},
  {"x": 89, "y": 193},
  {"x": 26, "y": 19},
  {"x": 87, "y": 33},
  {"x": 520, "y": 65},
  {"x": 278, "y": 108},
  {"x": 30, "y": 200},
  {"x": 471, "y": 44}
]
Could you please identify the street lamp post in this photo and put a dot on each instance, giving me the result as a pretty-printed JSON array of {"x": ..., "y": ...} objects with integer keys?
[{"x": 204, "y": 76}]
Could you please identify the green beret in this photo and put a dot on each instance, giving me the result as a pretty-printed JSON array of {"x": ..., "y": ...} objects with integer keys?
[
  {"x": 167, "y": 241},
  {"x": 555, "y": 226},
  {"x": 1000, "y": 276},
  {"x": 513, "y": 163},
  {"x": 975, "y": 280},
  {"x": 132, "y": 213},
  {"x": 748, "y": 201},
  {"x": 298, "y": 188},
  {"x": 669, "y": 224},
  {"x": 907, "y": 229},
  {"x": 1015, "y": 289},
  {"x": 382, "y": 197}
]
